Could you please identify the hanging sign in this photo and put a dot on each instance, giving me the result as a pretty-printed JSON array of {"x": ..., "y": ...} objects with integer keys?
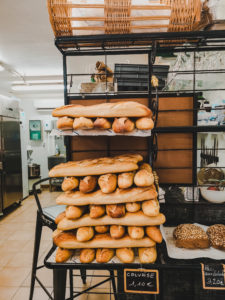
[{"x": 213, "y": 276}]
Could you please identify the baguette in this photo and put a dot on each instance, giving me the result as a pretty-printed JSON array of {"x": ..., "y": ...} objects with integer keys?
[
  {"x": 117, "y": 231},
  {"x": 107, "y": 183},
  {"x": 96, "y": 211},
  {"x": 128, "y": 220},
  {"x": 68, "y": 240},
  {"x": 122, "y": 125},
  {"x": 150, "y": 207},
  {"x": 144, "y": 123},
  {"x": 74, "y": 212},
  {"x": 84, "y": 234},
  {"x": 125, "y": 180},
  {"x": 62, "y": 255},
  {"x": 104, "y": 255},
  {"x": 154, "y": 233},
  {"x": 102, "y": 123},
  {"x": 99, "y": 198},
  {"x": 105, "y": 110},
  {"x": 64, "y": 123},
  {"x": 115, "y": 210},
  {"x": 102, "y": 228},
  {"x": 133, "y": 206},
  {"x": 69, "y": 184},
  {"x": 82, "y": 123},
  {"x": 147, "y": 255},
  {"x": 143, "y": 178},
  {"x": 87, "y": 255},
  {"x": 88, "y": 184},
  {"x": 60, "y": 217},
  {"x": 125, "y": 255},
  {"x": 136, "y": 232}
]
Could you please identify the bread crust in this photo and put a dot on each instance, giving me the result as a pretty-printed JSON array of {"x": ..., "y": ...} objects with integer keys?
[
  {"x": 154, "y": 233},
  {"x": 143, "y": 178},
  {"x": 96, "y": 211},
  {"x": 125, "y": 255},
  {"x": 102, "y": 228},
  {"x": 84, "y": 234},
  {"x": 60, "y": 216},
  {"x": 83, "y": 123},
  {"x": 115, "y": 210},
  {"x": 107, "y": 183},
  {"x": 88, "y": 184},
  {"x": 62, "y": 255},
  {"x": 121, "y": 125},
  {"x": 117, "y": 231},
  {"x": 69, "y": 184},
  {"x": 104, "y": 255},
  {"x": 136, "y": 232},
  {"x": 144, "y": 124},
  {"x": 102, "y": 123},
  {"x": 216, "y": 234},
  {"x": 147, "y": 255},
  {"x": 125, "y": 180},
  {"x": 64, "y": 123},
  {"x": 133, "y": 206},
  {"x": 150, "y": 207},
  {"x": 74, "y": 212},
  {"x": 87, "y": 255}
]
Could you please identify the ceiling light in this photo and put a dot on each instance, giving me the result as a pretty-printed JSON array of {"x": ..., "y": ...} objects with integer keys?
[
  {"x": 1, "y": 68},
  {"x": 37, "y": 87}
]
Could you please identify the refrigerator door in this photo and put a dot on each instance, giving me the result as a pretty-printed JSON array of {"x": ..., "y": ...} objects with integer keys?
[{"x": 10, "y": 134}]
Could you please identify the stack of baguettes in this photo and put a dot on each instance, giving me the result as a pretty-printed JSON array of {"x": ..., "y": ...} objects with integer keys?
[
  {"x": 121, "y": 117},
  {"x": 112, "y": 208}
]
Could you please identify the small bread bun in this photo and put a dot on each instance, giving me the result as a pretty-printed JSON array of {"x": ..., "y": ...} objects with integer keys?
[
  {"x": 121, "y": 125},
  {"x": 102, "y": 123},
  {"x": 117, "y": 231},
  {"x": 154, "y": 233},
  {"x": 150, "y": 208},
  {"x": 144, "y": 123},
  {"x": 146, "y": 166},
  {"x": 104, "y": 255},
  {"x": 102, "y": 228},
  {"x": 62, "y": 255},
  {"x": 88, "y": 184},
  {"x": 133, "y": 206},
  {"x": 74, "y": 212},
  {"x": 87, "y": 255},
  {"x": 115, "y": 210},
  {"x": 107, "y": 183},
  {"x": 82, "y": 123},
  {"x": 64, "y": 123},
  {"x": 69, "y": 184},
  {"x": 143, "y": 178},
  {"x": 125, "y": 255},
  {"x": 60, "y": 217},
  {"x": 136, "y": 232},
  {"x": 125, "y": 180},
  {"x": 147, "y": 255},
  {"x": 96, "y": 211},
  {"x": 84, "y": 234}
]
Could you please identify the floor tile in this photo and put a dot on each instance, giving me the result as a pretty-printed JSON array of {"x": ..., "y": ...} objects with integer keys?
[
  {"x": 6, "y": 293},
  {"x": 23, "y": 294},
  {"x": 13, "y": 277},
  {"x": 21, "y": 259}
]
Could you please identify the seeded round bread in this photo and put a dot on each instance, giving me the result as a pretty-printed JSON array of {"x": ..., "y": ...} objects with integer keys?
[
  {"x": 216, "y": 234},
  {"x": 190, "y": 236}
]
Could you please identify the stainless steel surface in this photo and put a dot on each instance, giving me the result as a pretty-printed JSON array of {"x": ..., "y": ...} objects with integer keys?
[
  {"x": 33, "y": 171},
  {"x": 10, "y": 134}
]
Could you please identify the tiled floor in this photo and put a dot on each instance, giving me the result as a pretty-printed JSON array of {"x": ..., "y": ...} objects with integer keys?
[{"x": 16, "y": 250}]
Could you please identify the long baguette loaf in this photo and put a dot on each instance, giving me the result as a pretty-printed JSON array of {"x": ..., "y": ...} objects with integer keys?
[
  {"x": 99, "y": 198},
  {"x": 138, "y": 218},
  {"x": 105, "y": 110},
  {"x": 67, "y": 240},
  {"x": 98, "y": 166}
]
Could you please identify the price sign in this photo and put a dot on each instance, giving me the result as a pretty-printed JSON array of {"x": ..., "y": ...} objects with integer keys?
[
  {"x": 141, "y": 281},
  {"x": 213, "y": 276}
]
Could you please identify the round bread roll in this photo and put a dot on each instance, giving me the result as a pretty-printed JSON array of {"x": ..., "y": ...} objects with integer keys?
[
  {"x": 136, "y": 232},
  {"x": 121, "y": 125},
  {"x": 143, "y": 178},
  {"x": 154, "y": 233},
  {"x": 147, "y": 255},
  {"x": 82, "y": 123},
  {"x": 60, "y": 217},
  {"x": 107, "y": 183},
  {"x": 104, "y": 255},
  {"x": 125, "y": 180},
  {"x": 102, "y": 123},
  {"x": 87, "y": 255},
  {"x": 102, "y": 228},
  {"x": 117, "y": 231},
  {"x": 144, "y": 123},
  {"x": 64, "y": 123},
  {"x": 146, "y": 166},
  {"x": 115, "y": 210},
  {"x": 74, "y": 212},
  {"x": 69, "y": 184},
  {"x": 125, "y": 255},
  {"x": 96, "y": 211},
  {"x": 62, "y": 255},
  {"x": 216, "y": 234},
  {"x": 133, "y": 206},
  {"x": 150, "y": 208},
  {"x": 84, "y": 234},
  {"x": 88, "y": 184}
]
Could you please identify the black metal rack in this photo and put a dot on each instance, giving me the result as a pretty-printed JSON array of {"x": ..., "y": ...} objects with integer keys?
[{"x": 176, "y": 277}]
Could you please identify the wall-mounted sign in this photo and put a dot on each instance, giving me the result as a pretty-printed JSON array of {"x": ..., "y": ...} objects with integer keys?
[
  {"x": 35, "y": 130},
  {"x": 213, "y": 276},
  {"x": 141, "y": 281}
]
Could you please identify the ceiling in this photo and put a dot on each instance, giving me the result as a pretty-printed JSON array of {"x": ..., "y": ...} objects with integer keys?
[{"x": 26, "y": 43}]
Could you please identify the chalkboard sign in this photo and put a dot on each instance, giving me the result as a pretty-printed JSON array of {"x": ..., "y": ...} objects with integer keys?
[
  {"x": 213, "y": 276},
  {"x": 141, "y": 281}
]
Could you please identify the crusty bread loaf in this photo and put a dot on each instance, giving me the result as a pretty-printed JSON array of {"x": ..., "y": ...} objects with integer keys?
[
  {"x": 136, "y": 232},
  {"x": 104, "y": 255},
  {"x": 96, "y": 211},
  {"x": 150, "y": 207},
  {"x": 107, "y": 183},
  {"x": 102, "y": 123},
  {"x": 115, "y": 210},
  {"x": 145, "y": 166},
  {"x": 133, "y": 206},
  {"x": 125, "y": 180},
  {"x": 87, "y": 255},
  {"x": 69, "y": 184},
  {"x": 125, "y": 255},
  {"x": 87, "y": 184},
  {"x": 62, "y": 255},
  {"x": 68, "y": 240},
  {"x": 105, "y": 110},
  {"x": 74, "y": 212},
  {"x": 83, "y": 123},
  {"x": 144, "y": 123},
  {"x": 97, "y": 166},
  {"x": 216, "y": 234},
  {"x": 65, "y": 123},
  {"x": 139, "y": 218},
  {"x": 117, "y": 231},
  {"x": 190, "y": 236},
  {"x": 56, "y": 232},
  {"x": 102, "y": 228},
  {"x": 154, "y": 233},
  {"x": 147, "y": 255},
  {"x": 143, "y": 178},
  {"x": 60, "y": 217},
  {"x": 84, "y": 234},
  {"x": 99, "y": 198},
  {"x": 121, "y": 125}
]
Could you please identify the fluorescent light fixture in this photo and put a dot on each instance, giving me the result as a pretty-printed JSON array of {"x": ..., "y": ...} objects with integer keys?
[
  {"x": 38, "y": 87},
  {"x": 1, "y": 68}
]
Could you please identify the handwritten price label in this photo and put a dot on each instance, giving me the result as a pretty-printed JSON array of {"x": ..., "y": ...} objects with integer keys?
[{"x": 213, "y": 277}]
